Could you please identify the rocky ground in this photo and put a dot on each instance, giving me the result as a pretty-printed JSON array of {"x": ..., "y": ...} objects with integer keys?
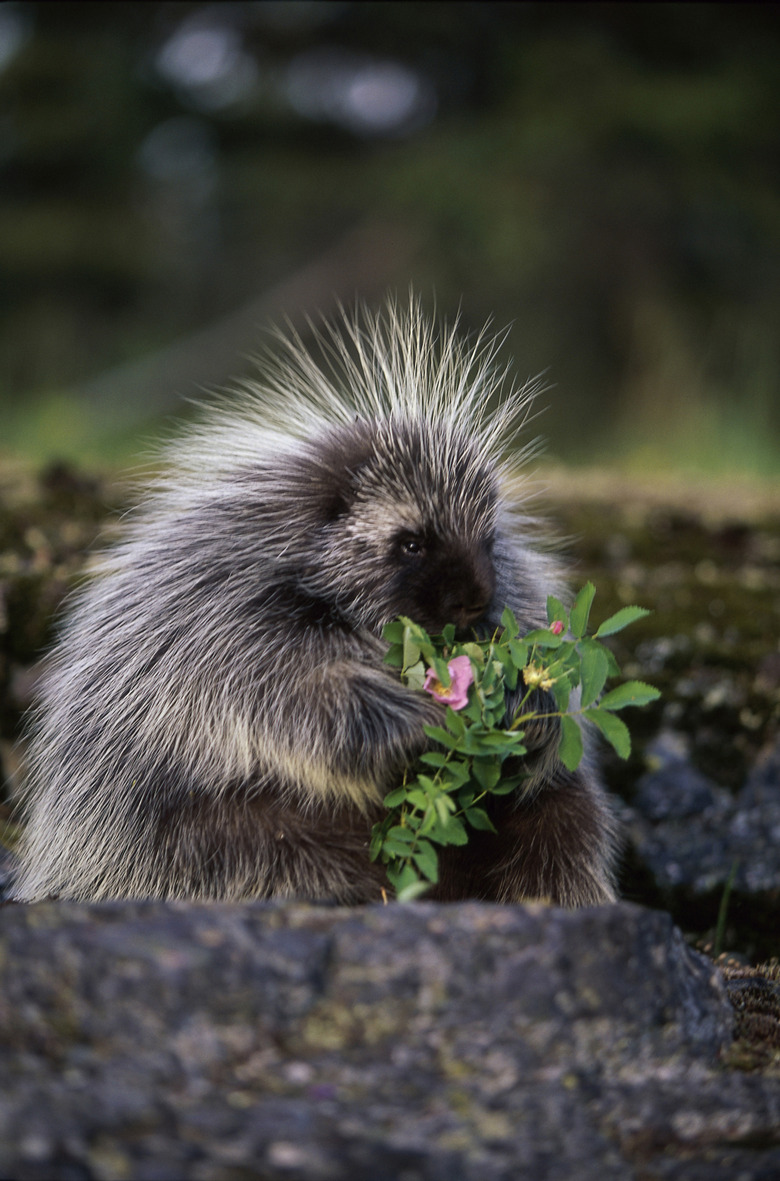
[
  {"x": 417, "y": 1043},
  {"x": 426, "y": 1042}
]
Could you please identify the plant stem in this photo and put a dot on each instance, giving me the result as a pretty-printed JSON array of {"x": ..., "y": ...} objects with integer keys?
[{"x": 720, "y": 929}]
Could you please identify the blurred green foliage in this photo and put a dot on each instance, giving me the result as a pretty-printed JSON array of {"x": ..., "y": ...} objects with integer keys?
[{"x": 602, "y": 177}]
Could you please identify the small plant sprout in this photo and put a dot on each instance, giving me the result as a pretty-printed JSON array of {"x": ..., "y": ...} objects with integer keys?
[{"x": 490, "y": 690}]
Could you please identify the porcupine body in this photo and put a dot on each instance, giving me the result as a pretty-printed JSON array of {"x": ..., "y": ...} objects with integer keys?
[{"x": 217, "y": 720}]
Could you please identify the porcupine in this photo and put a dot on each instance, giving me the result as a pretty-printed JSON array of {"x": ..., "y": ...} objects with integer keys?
[{"x": 217, "y": 720}]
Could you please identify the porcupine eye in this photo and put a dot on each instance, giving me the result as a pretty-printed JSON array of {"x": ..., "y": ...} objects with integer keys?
[{"x": 412, "y": 545}]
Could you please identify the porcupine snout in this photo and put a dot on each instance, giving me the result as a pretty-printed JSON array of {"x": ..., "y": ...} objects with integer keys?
[{"x": 472, "y": 591}]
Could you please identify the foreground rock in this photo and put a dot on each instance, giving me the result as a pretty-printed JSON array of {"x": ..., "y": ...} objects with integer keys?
[{"x": 426, "y": 1042}]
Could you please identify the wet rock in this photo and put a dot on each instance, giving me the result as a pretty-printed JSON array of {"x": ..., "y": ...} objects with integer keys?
[
  {"x": 424, "y": 1042},
  {"x": 763, "y": 783},
  {"x": 675, "y": 793},
  {"x": 695, "y": 840}
]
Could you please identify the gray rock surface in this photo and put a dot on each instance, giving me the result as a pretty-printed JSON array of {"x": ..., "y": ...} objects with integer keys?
[
  {"x": 692, "y": 835},
  {"x": 417, "y": 1043}
]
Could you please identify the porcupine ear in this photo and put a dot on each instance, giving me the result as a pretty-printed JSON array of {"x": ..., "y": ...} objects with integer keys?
[{"x": 337, "y": 460}]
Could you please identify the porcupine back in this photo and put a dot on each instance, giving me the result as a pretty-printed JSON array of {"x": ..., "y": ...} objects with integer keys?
[{"x": 217, "y": 720}]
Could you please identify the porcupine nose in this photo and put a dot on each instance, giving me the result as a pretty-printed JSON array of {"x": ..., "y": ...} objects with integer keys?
[
  {"x": 477, "y": 592},
  {"x": 465, "y": 615}
]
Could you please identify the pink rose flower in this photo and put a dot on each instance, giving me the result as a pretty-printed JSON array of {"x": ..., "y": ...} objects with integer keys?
[
  {"x": 557, "y": 627},
  {"x": 456, "y": 695}
]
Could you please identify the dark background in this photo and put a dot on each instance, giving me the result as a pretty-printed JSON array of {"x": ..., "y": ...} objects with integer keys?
[{"x": 603, "y": 177}]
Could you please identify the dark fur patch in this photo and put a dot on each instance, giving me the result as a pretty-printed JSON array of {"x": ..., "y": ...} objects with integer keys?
[
  {"x": 253, "y": 842},
  {"x": 544, "y": 848},
  {"x": 336, "y": 462}
]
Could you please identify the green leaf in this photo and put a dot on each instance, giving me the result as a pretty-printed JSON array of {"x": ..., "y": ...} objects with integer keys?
[
  {"x": 395, "y": 797},
  {"x": 451, "y": 741},
  {"x": 442, "y": 671},
  {"x": 478, "y": 818},
  {"x": 510, "y": 784},
  {"x": 427, "y": 784},
  {"x": 621, "y": 619},
  {"x": 426, "y": 860},
  {"x": 489, "y": 676},
  {"x": 488, "y": 741},
  {"x": 542, "y": 637},
  {"x": 391, "y": 848},
  {"x": 514, "y": 740},
  {"x": 455, "y": 723},
  {"x": 520, "y": 653},
  {"x": 556, "y": 612},
  {"x": 433, "y": 758},
  {"x": 411, "y": 649},
  {"x": 500, "y": 738},
  {"x": 632, "y": 693},
  {"x": 507, "y": 667},
  {"x": 445, "y": 806},
  {"x": 429, "y": 823},
  {"x": 570, "y": 749},
  {"x": 566, "y": 653},
  {"x": 393, "y": 632},
  {"x": 594, "y": 668},
  {"x": 414, "y": 629},
  {"x": 414, "y": 889},
  {"x": 560, "y": 691},
  {"x": 403, "y": 876},
  {"x": 614, "y": 730},
  {"x": 473, "y": 711},
  {"x": 448, "y": 635},
  {"x": 418, "y": 799},
  {"x": 580, "y": 612},
  {"x": 455, "y": 833},
  {"x": 495, "y": 711},
  {"x": 415, "y": 676},
  {"x": 487, "y": 772},
  {"x": 509, "y": 622},
  {"x": 456, "y": 774},
  {"x": 401, "y": 833},
  {"x": 612, "y": 665}
]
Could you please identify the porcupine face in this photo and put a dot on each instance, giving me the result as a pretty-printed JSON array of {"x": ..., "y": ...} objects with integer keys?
[{"x": 409, "y": 520}]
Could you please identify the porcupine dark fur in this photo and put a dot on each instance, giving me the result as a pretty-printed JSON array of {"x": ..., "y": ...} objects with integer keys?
[{"x": 217, "y": 720}]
